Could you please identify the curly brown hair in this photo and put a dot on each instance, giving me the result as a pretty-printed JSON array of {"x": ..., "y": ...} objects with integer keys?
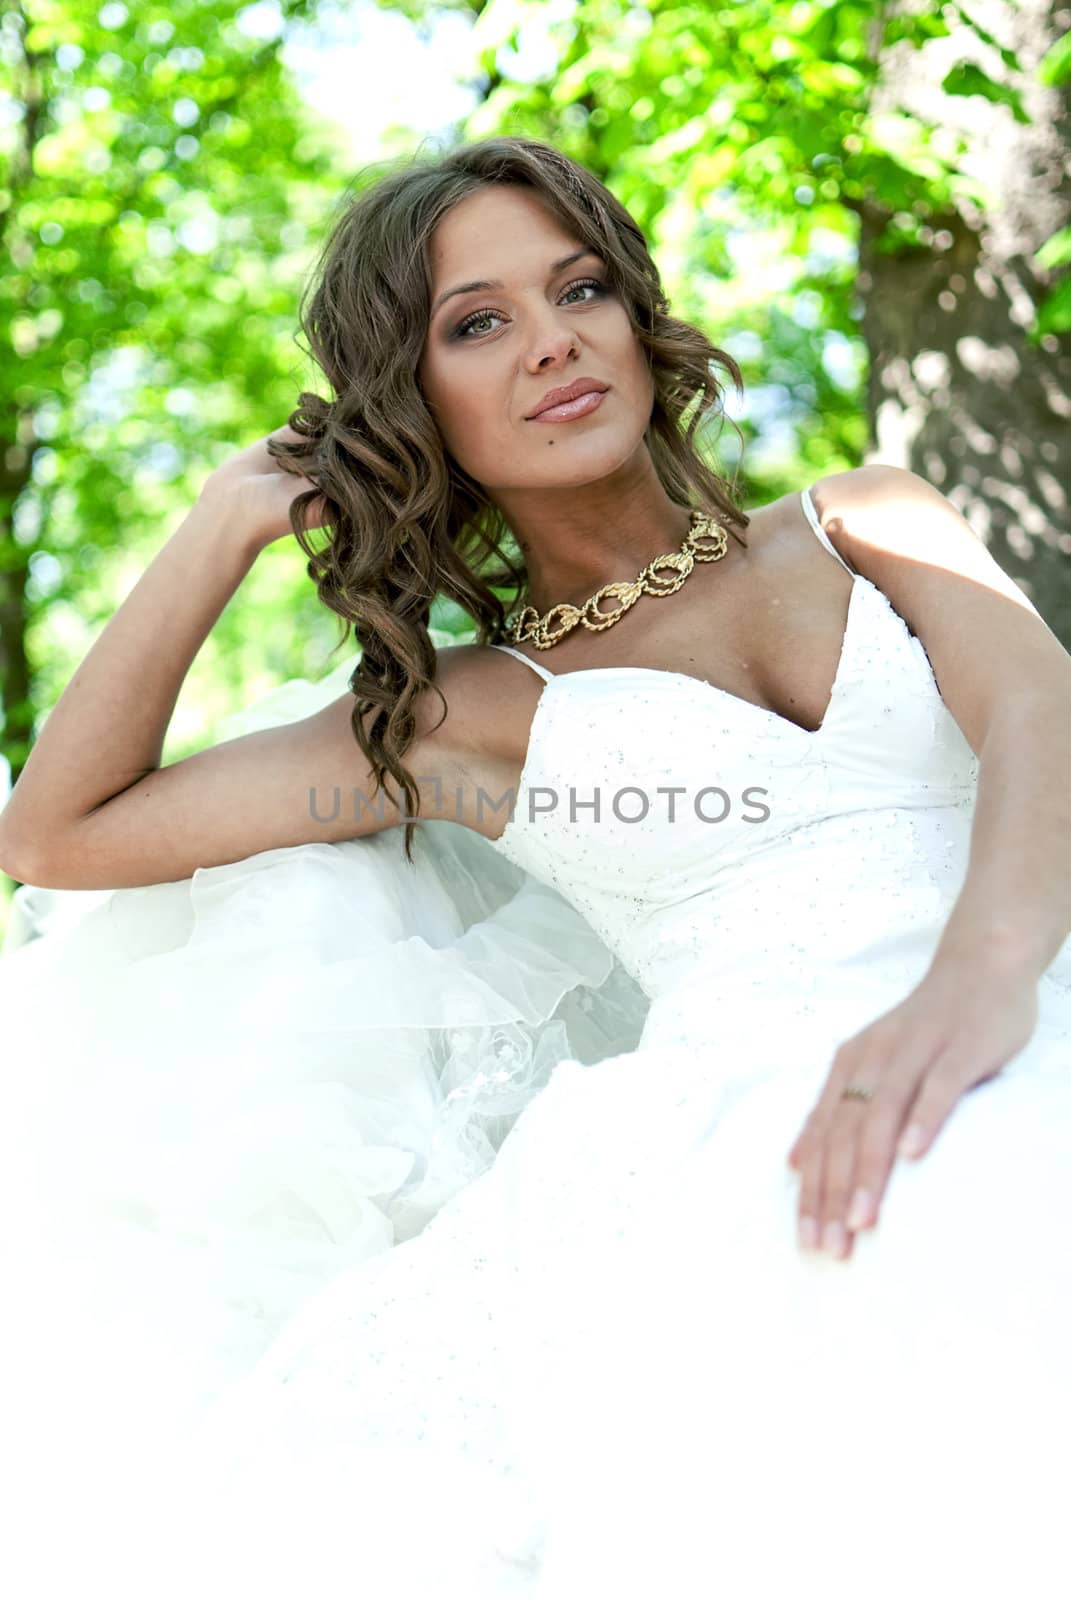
[{"x": 407, "y": 524}]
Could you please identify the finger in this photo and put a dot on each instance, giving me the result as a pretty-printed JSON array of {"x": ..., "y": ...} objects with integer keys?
[
  {"x": 793, "y": 1157},
  {"x": 875, "y": 1158},
  {"x": 813, "y": 1133},
  {"x": 836, "y": 1184},
  {"x": 808, "y": 1157},
  {"x": 938, "y": 1094},
  {"x": 827, "y": 1152},
  {"x": 809, "y": 1203}
]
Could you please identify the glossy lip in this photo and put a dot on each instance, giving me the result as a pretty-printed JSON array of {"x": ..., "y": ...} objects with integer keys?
[
  {"x": 572, "y": 391},
  {"x": 572, "y": 410}
]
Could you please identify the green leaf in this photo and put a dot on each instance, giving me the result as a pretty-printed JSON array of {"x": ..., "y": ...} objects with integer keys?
[
  {"x": 967, "y": 79},
  {"x": 1054, "y": 67},
  {"x": 1055, "y": 252},
  {"x": 1054, "y": 310},
  {"x": 971, "y": 23}
]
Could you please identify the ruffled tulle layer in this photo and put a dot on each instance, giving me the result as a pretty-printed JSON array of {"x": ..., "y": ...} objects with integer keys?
[
  {"x": 218, "y": 1093},
  {"x": 316, "y": 1045},
  {"x": 321, "y": 1037}
]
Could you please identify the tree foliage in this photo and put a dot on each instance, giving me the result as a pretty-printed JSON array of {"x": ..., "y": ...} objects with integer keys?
[
  {"x": 162, "y": 186},
  {"x": 816, "y": 177}
]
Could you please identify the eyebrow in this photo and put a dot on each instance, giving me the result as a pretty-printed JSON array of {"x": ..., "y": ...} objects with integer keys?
[{"x": 494, "y": 283}]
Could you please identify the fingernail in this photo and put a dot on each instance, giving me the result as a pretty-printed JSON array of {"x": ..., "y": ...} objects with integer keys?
[
  {"x": 913, "y": 1140},
  {"x": 834, "y": 1239},
  {"x": 808, "y": 1233},
  {"x": 859, "y": 1212}
]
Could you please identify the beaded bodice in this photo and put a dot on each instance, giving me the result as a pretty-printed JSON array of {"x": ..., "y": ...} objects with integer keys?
[{"x": 704, "y": 836}]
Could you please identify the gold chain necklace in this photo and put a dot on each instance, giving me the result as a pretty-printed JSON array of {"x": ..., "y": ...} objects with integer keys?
[{"x": 530, "y": 628}]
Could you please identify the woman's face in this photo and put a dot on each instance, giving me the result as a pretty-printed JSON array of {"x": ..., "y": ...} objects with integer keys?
[{"x": 491, "y": 355}]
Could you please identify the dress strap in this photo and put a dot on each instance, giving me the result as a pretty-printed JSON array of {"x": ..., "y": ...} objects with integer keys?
[
  {"x": 812, "y": 518},
  {"x": 543, "y": 673}
]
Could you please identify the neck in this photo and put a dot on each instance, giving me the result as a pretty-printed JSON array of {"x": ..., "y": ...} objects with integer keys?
[{"x": 569, "y": 559}]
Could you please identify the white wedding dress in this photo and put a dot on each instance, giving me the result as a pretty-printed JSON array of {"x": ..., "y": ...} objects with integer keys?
[{"x": 375, "y": 1230}]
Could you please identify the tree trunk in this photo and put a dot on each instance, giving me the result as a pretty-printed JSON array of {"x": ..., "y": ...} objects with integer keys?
[{"x": 958, "y": 393}]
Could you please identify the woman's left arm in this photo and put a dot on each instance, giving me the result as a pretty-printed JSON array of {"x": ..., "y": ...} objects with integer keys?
[{"x": 1007, "y": 681}]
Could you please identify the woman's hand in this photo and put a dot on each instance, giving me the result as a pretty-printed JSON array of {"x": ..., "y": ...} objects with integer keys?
[
  {"x": 259, "y": 493},
  {"x": 957, "y": 1029}
]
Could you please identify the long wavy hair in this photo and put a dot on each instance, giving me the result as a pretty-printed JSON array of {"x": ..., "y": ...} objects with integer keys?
[{"x": 406, "y": 524}]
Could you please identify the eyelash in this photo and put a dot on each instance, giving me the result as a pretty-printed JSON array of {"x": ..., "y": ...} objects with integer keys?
[{"x": 601, "y": 291}]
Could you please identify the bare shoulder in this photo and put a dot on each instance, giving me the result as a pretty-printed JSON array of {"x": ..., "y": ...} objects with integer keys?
[
  {"x": 782, "y": 543},
  {"x": 888, "y": 522},
  {"x": 840, "y": 497},
  {"x": 782, "y": 548},
  {"x": 854, "y": 486}
]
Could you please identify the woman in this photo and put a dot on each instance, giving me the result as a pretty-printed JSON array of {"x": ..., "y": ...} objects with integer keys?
[{"x": 762, "y": 900}]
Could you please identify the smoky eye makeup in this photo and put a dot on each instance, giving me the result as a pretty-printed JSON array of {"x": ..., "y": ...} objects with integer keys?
[{"x": 460, "y": 330}]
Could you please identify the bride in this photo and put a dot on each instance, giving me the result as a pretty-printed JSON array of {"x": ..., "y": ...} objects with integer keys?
[{"x": 582, "y": 1111}]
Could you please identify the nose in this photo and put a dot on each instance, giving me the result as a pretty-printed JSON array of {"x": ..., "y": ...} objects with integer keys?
[{"x": 553, "y": 344}]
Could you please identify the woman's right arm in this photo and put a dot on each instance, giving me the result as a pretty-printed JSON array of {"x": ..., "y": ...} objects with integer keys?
[{"x": 93, "y": 808}]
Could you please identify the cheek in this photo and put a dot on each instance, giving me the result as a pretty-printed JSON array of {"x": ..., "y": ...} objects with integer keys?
[
  {"x": 635, "y": 363},
  {"x": 644, "y": 391},
  {"x": 447, "y": 409},
  {"x": 475, "y": 429}
]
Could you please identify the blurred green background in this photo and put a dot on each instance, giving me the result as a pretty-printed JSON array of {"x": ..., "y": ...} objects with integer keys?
[{"x": 868, "y": 206}]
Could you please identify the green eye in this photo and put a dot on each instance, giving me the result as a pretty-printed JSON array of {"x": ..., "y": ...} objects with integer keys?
[{"x": 461, "y": 331}]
